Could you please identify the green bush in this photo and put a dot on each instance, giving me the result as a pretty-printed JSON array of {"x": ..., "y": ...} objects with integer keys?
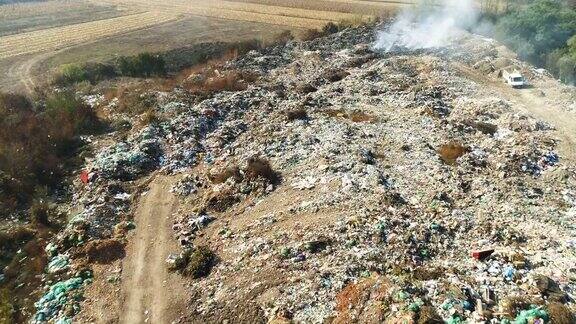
[
  {"x": 200, "y": 263},
  {"x": 89, "y": 72},
  {"x": 72, "y": 73},
  {"x": 142, "y": 65},
  {"x": 542, "y": 33}
]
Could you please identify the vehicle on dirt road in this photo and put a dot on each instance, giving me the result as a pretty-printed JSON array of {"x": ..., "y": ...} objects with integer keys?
[{"x": 514, "y": 78}]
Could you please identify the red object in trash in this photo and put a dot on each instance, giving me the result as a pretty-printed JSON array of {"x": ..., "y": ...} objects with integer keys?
[
  {"x": 84, "y": 176},
  {"x": 482, "y": 254}
]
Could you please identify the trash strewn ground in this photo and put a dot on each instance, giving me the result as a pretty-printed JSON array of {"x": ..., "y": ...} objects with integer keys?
[{"x": 411, "y": 186}]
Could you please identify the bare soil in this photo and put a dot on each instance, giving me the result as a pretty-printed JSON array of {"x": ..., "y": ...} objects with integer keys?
[{"x": 150, "y": 292}]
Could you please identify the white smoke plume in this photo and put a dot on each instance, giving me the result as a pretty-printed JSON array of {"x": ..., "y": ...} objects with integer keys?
[{"x": 427, "y": 26}]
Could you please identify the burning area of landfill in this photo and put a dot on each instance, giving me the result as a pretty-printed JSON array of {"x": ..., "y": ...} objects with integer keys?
[{"x": 347, "y": 184}]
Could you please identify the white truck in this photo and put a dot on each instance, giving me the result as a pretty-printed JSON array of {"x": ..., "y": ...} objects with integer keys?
[{"x": 514, "y": 78}]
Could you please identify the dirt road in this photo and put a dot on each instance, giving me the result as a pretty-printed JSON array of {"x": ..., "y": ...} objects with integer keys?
[
  {"x": 151, "y": 293},
  {"x": 563, "y": 121},
  {"x": 531, "y": 102}
]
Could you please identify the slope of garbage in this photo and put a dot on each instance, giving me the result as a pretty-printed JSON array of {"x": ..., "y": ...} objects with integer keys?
[{"x": 347, "y": 185}]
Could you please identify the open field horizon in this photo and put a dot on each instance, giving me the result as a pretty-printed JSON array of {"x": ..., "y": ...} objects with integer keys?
[{"x": 29, "y": 38}]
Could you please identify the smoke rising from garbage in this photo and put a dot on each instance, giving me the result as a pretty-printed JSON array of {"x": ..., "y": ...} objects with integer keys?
[{"x": 429, "y": 26}]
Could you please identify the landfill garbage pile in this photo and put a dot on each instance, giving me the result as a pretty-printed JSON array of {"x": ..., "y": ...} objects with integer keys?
[
  {"x": 101, "y": 210},
  {"x": 409, "y": 192},
  {"x": 130, "y": 159},
  {"x": 349, "y": 185},
  {"x": 61, "y": 302}
]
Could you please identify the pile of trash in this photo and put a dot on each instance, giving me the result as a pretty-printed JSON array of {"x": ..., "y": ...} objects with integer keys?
[
  {"x": 397, "y": 167},
  {"x": 61, "y": 302},
  {"x": 133, "y": 158},
  {"x": 353, "y": 185}
]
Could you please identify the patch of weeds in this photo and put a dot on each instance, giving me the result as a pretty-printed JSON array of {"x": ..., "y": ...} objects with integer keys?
[
  {"x": 200, "y": 262},
  {"x": 6, "y": 307},
  {"x": 449, "y": 153},
  {"x": 297, "y": 114},
  {"x": 428, "y": 315},
  {"x": 560, "y": 314},
  {"x": 428, "y": 273},
  {"x": 260, "y": 168}
]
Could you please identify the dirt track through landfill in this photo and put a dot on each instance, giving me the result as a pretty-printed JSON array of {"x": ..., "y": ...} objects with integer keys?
[
  {"x": 527, "y": 102},
  {"x": 151, "y": 293}
]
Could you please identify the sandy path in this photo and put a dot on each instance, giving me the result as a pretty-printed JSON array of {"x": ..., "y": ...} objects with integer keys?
[
  {"x": 528, "y": 102},
  {"x": 562, "y": 120},
  {"x": 151, "y": 293}
]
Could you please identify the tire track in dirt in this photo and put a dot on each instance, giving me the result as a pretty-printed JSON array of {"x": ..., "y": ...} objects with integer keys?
[
  {"x": 151, "y": 293},
  {"x": 525, "y": 101}
]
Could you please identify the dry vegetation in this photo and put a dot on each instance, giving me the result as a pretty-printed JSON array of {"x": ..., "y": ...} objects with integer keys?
[{"x": 34, "y": 142}]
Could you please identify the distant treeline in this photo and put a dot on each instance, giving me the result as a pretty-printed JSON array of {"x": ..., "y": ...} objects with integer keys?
[{"x": 544, "y": 33}]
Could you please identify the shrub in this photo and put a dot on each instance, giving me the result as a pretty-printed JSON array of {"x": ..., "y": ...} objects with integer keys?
[
  {"x": 69, "y": 116},
  {"x": 72, "y": 73},
  {"x": 259, "y": 168},
  {"x": 89, "y": 72},
  {"x": 142, "y": 65},
  {"x": 330, "y": 28},
  {"x": 295, "y": 114},
  {"x": 36, "y": 142},
  {"x": 40, "y": 213},
  {"x": 200, "y": 262}
]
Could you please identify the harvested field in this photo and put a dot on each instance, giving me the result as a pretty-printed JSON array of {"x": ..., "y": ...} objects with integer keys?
[
  {"x": 31, "y": 33},
  {"x": 375, "y": 8},
  {"x": 27, "y": 17},
  {"x": 54, "y": 38},
  {"x": 277, "y": 13}
]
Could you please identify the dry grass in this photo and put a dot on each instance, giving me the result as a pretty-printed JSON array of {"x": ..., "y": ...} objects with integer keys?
[
  {"x": 366, "y": 8},
  {"x": 449, "y": 153},
  {"x": 560, "y": 314},
  {"x": 260, "y": 168},
  {"x": 211, "y": 81},
  {"x": 220, "y": 176},
  {"x": 355, "y": 116}
]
